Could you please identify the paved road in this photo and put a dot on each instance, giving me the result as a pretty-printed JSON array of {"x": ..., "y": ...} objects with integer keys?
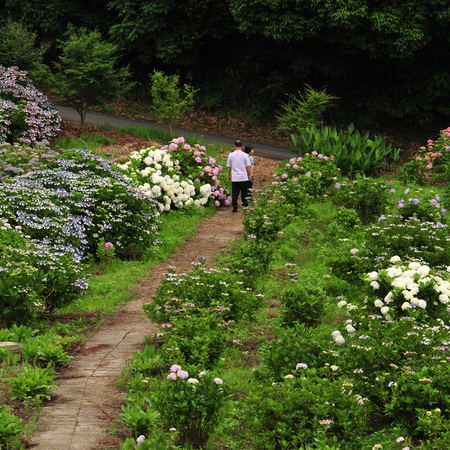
[{"x": 264, "y": 150}]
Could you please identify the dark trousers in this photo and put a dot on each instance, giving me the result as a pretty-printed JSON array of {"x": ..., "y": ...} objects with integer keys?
[{"x": 236, "y": 188}]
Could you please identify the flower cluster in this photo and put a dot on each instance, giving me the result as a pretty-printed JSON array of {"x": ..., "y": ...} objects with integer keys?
[
  {"x": 75, "y": 207},
  {"x": 401, "y": 289},
  {"x": 315, "y": 172},
  {"x": 431, "y": 162},
  {"x": 19, "y": 158},
  {"x": 176, "y": 175},
  {"x": 25, "y": 113}
]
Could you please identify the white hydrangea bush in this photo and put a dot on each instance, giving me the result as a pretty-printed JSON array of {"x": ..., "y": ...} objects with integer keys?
[
  {"x": 156, "y": 173},
  {"x": 177, "y": 175},
  {"x": 403, "y": 290}
]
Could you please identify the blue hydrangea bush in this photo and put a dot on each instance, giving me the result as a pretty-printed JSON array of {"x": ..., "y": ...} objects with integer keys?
[
  {"x": 75, "y": 206},
  {"x": 35, "y": 277}
]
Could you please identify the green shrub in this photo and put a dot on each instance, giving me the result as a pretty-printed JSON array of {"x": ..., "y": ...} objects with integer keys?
[
  {"x": 35, "y": 278},
  {"x": 10, "y": 427},
  {"x": 314, "y": 173},
  {"x": 290, "y": 346},
  {"x": 367, "y": 196},
  {"x": 305, "y": 110},
  {"x": 190, "y": 401},
  {"x": 217, "y": 289},
  {"x": 33, "y": 383},
  {"x": 195, "y": 339},
  {"x": 302, "y": 304},
  {"x": 347, "y": 218},
  {"x": 304, "y": 410}
]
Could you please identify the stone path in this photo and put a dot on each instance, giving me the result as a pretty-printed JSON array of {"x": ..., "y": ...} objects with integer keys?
[{"x": 88, "y": 400}]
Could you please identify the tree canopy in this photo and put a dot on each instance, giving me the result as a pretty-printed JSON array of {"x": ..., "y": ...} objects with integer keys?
[
  {"x": 386, "y": 60},
  {"x": 85, "y": 74}
]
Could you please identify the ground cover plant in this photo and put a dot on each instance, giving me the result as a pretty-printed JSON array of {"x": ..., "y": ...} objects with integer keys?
[{"x": 348, "y": 348}]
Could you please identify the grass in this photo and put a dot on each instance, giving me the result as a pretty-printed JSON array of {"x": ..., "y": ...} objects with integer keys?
[
  {"x": 114, "y": 284},
  {"x": 86, "y": 141}
]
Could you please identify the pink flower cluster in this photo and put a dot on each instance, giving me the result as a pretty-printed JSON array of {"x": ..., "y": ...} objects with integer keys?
[{"x": 177, "y": 372}]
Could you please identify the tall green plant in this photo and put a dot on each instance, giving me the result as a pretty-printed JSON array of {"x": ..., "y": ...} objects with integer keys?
[
  {"x": 304, "y": 110},
  {"x": 86, "y": 73},
  {"x": 170, "y": 101},
  {"x": 353, "y": 152}
]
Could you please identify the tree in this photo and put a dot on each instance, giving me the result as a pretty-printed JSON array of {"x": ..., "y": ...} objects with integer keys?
[
  {"x": 18, "y": 46},
  {"x": 170, "y": 101},
  {"x": 305, "y": 110},
  {"x": 170, "y": 31},
  {"x": 397, "y": 28},
  {"x": 86, "y": 74}
]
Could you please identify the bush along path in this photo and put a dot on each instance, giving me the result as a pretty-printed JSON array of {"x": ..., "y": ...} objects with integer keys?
[{"x": 87, "y": 398}]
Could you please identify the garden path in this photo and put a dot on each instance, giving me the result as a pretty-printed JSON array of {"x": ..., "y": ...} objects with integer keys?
[{"x": 88, "y": 399}]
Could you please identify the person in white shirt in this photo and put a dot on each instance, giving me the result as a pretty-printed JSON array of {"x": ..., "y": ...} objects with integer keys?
[{"x": 239, "y": 172}]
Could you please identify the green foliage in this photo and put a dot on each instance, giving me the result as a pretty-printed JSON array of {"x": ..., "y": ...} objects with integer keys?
[
  {"x": 18, "y": 46},
  {"x": 302, "y": 304},
  {"x": 194, "y": 340},
  {"x": 52, "y": 353},
  {"x": 347, "y": 217},
  {"x": 410, "y": 173},
  {"x": 352, "y": 152},
  {"x": 10, "y": 427},
  {"x": 217, "y": 289},
  {"x": 21, "y": 158},
  {"x": 190, "y": 401},
  {"x": 138, "y": 417},
  {"x": 291, "y": 346},
  {"x": 368, "y": 197},
  {"x": 169, "y": 101},
  {"x": 250, "y": 258},
  {"x": 287, "y": 414},
  {"x": 86, "y": 73},
  {"x": 143, "y": 26},
  {"x": 305, "y": 110},
  {"x": 26, "y": 114},
  {"x": 33, "y": 383},
  {"x": 145, "y": 362}
]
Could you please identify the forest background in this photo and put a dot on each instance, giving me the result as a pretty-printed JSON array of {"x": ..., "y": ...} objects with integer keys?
[{"x": 385, "y": 61}]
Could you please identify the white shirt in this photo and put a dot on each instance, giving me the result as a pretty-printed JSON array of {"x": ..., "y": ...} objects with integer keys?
[{"x": 238, "y": 161}]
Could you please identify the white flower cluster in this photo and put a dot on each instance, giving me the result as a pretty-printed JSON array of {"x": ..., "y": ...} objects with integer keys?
[
  {"x": 338, "y": 338},
  {"x": 161, "y": 180},
  {"x": 408, "y": 281}
]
